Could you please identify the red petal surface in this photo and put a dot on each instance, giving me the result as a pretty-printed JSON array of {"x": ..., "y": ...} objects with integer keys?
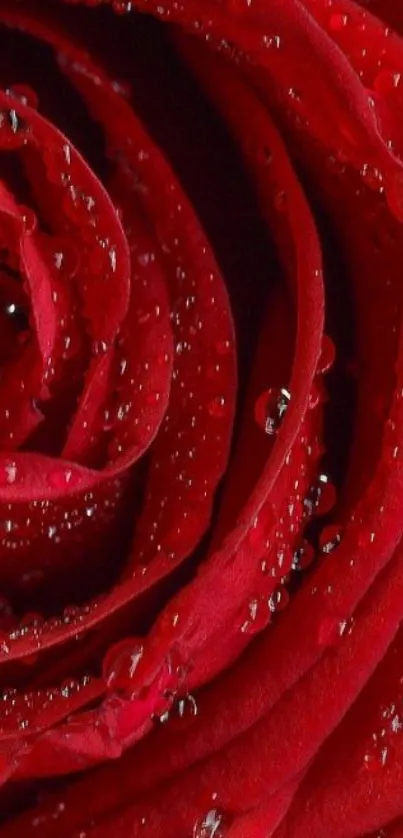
[{"x": 181, "y": 504}]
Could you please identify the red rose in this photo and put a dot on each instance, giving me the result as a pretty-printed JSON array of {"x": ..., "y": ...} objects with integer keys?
[{"x": 201, "y": 468}]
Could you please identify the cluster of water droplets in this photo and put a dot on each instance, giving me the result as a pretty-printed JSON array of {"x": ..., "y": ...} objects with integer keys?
[
  {"x": 181, "y": 712},
  {"x": 317, "y": 503},
  {"x": 380, "y": 745},
  {"x": 21, "y": 709},
  {"x": 33, "y": 628}
]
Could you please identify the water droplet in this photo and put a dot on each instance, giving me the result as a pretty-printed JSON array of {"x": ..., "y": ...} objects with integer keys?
[
  {"x": 386, "y": 81},
  {"x": 314, "y": 396},
  {"x": 331, "y": 629},
  {"x": 24, "y": 94},
  {"x": 265, "y": 155},
  {"x": 321, "y": 497},
  {"x": 99, "y": 347},
  {"x": 284, "y": 560},
  {"x": 377, "y": 755},
  {"x": 65, "y": 258},
  {"x": 218, "y": 407},
  {"x": 17, "y": 315},
  {"x": 338, "y": 22},
  {"x": 256, "y": 617},
  {"x": 8, "y": 473},
  {"x": 60, "y": 478},
  {"x": 187, "y": 707},
  {"x": 330, "y": 538},
  {"x": 303, "y": 556},
  {"x": 121, "y": 663},
  {"x": 270, "y": 409},
  {"x": 29, "y": 219},
  {"x": 238, "y": 6},
  {"x": 372, "y": 176},
  {"x": 327, "y": 355},
  {"x": 13, "y": 129},
  {"x": 122, "y": 7},
  {"x": 280, "y": 201},
  {"x": 210, "y": 825},
  {"x": 223, "y": 347},
  {"x": 271, "y": 41},
  {"x": 278, "y": 599}
]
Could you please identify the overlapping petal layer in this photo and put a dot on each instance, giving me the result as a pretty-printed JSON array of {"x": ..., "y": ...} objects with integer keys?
[{"x": 190, "y": 365}]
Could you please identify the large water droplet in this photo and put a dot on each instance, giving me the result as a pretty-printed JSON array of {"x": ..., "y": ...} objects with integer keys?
[
  {"x": 270, "y": 409},
  {"x": 321, "y": 497},
  {"x": 121, "y": 663}
]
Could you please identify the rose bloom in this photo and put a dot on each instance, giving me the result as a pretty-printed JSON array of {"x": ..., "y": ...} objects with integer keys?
[{"x": 201, "y": 419}]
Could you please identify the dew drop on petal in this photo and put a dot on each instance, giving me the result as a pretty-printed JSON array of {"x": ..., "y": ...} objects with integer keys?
[
  {"x": 377, "y": 755},
  {"x": 256, "y": 617},
  {"x": 223, "y": 347},
  {"x": 338, "y": 22},
  {"x": 99, "y": 347},
  {"x": 63, "y": 477},
  {"x": 121, "y": 663},
  {"x": 303, "y": 556},
  {"x": 210, "y": 825},
  {"x": 284, "y": 561},
  {"x": 8, "y": 473},
  {"x": 280, "y": 201},
  {"x": 238, "y": 6},
  {"x": 13, "y": 129},
  {"x": 186, "y": 707},
  {"x": 122, "y": 7},
  {"x": 330, "y": 539},
  {"x": 270, "y": 409},
  {"x": 386, "y": 81},
  {"x": 29, "y": 219},
  {"x": 327, "y": 355},
  {"x": 24, "y": 94},
  {"x": 278, "y": 599},
  {"x": 217, "y": 408},
  {"x": 331, "y": 630},
  {"x": 321, "y": 497}
]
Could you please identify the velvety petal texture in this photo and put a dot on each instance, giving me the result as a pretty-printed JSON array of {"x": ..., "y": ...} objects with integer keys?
[{"x": 201, "y": 419}]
